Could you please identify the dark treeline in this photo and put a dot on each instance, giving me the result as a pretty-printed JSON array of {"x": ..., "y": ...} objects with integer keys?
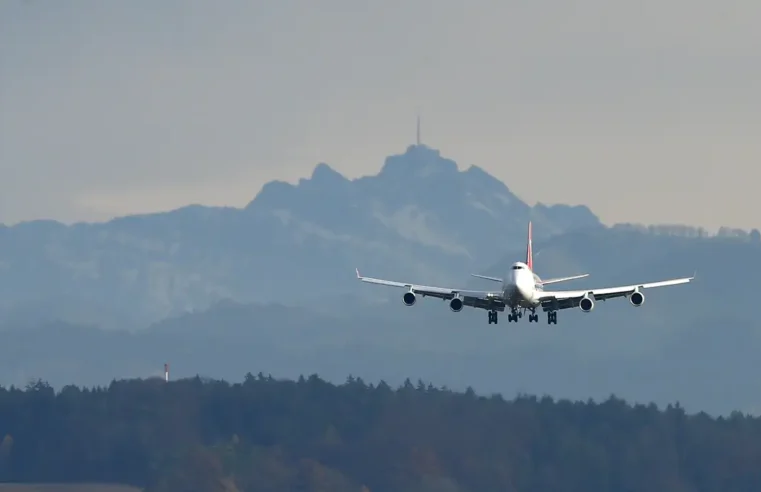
[{"x": 309, "y": 435}]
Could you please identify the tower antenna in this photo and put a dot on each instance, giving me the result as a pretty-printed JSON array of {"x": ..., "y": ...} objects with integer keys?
[{"x": 418, "y": 130}]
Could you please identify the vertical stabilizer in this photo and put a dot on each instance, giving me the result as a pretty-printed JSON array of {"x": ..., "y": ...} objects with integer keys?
[{"x": 529, "y": 252}]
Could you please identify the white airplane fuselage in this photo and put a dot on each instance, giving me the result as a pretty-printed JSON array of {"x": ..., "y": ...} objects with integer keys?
[{"x": 521, "y": 287}]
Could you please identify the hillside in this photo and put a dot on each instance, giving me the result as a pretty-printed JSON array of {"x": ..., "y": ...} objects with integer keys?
[
  {"x": 420, "y": 215},
  {"x": 306, "y": 434}
]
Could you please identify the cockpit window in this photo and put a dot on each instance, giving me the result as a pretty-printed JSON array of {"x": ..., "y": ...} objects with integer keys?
[{"x": 517, "y": 267}]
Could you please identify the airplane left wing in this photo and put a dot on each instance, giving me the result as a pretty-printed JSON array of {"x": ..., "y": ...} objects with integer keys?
[
  {"x": 563, "y": 279},
  {"x": 564, "y": 299},
  {"x": 473, "y": 298}
]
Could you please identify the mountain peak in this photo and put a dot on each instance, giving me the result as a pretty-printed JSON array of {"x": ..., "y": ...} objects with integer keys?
[
  {"x": 281, "y": 194},
  {"x": 323, "y": 173},
  {"x": 417, "y": 161}
]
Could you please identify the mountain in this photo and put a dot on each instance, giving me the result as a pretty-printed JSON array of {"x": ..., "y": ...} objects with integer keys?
[
  {"x": 419, "y": 216},
  {"x": 270, "y": 287}
]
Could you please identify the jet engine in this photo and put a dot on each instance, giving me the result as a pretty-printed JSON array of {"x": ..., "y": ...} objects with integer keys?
[
  {"x": 455, "y": 304},
  {"x": 637, "y": 298},
  {"x": 586, "y": 304},
  {"x": 409, "y": 298}
]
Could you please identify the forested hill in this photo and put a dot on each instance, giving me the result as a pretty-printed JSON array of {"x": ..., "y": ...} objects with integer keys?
[{"x": 310, "y": 435}]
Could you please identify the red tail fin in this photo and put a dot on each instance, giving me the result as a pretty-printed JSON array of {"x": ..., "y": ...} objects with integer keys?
[{"x": 529, "y": 252}]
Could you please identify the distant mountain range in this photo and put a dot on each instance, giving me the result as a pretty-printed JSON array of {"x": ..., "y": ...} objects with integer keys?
[
  {"x": 271, "y": 288},
  {"x": 419, "y": 216}
]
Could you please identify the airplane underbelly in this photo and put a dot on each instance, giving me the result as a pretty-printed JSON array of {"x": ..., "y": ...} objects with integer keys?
[{"x": 518, "y": 297}]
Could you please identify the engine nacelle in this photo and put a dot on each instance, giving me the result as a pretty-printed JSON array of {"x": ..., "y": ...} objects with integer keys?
[
  {"x": 456, "y": 304},
  {"x": 637, "y": 298},
  {"x": 409, "y": 298},
  {"x": 586, "y": 304}
]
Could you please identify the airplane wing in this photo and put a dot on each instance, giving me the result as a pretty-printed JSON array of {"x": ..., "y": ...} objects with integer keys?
[
  {"x": 563, "y": 279},
  {"x": 485, "y": 277},
  {"x": 473, "y": 298},
  {"x": 564, "y": 299}
]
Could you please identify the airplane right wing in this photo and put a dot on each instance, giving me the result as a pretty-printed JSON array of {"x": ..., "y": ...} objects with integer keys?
[
  {"x": 486, "y": 277},
  {"x": 490, "y": 300}
]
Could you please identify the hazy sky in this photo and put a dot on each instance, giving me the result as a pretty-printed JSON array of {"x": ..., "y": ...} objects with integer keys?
[{"x": 645, "y": 110}]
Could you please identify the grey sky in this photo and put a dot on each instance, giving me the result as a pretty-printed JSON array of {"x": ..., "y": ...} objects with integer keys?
[{"x": 647, "y": 110}]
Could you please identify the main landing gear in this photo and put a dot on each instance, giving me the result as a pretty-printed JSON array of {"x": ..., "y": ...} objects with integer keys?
[
  {"x": 515, "y": 315},
  {"x": 532, "y": 317}
]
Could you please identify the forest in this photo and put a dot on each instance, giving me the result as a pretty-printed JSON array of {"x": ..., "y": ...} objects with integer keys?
[{"x": 264, "y": 434}]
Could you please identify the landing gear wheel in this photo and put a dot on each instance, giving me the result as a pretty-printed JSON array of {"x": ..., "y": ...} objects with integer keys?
[
  {"x": 552, "y": 317},
  {"x": 533, "y": 318},
  {"x": 493, "y": 317}
]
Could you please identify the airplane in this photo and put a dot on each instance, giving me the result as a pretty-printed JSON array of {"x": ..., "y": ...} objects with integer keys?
[{"x": 523, "y": 290}]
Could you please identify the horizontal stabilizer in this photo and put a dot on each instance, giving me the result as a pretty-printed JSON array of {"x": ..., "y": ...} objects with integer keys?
[
  {"x": 563, "y": 279},
  {"x": 493, "y": 279}
]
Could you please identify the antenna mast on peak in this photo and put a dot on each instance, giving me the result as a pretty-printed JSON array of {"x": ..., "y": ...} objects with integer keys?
[{"x": 418, "y": 130}]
